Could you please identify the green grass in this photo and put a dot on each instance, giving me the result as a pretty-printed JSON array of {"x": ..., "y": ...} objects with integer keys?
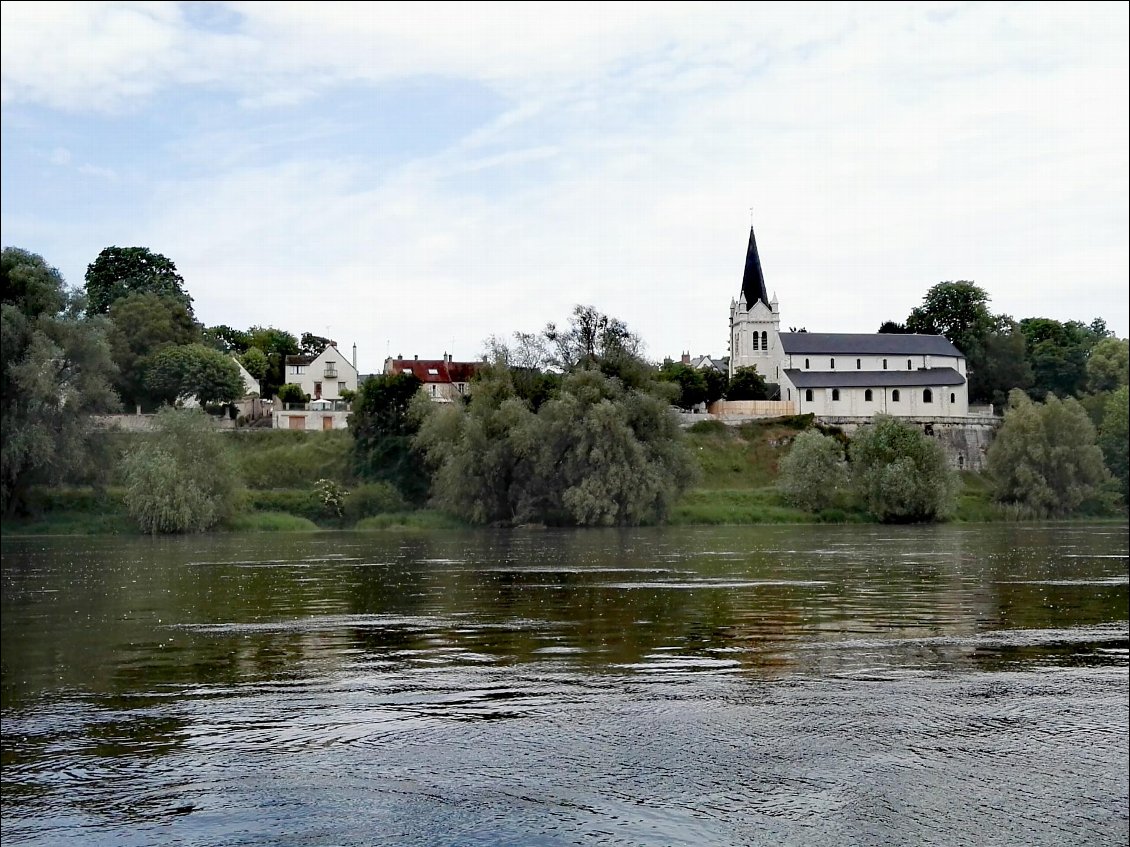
[
  {"x": 269, "y": 522},
  {"x": 68, "y": 522},
  {"x": 423, "y": 519}
]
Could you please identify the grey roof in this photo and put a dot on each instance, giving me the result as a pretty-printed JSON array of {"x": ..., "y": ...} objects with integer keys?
[
  {"x": 753, "y": 280},
  {"x": 924, "y": 377},
  {"x": 866, "y": 344}
]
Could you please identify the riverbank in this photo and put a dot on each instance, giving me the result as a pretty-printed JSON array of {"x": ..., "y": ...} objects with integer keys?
[{"x": 279, "y": 469}]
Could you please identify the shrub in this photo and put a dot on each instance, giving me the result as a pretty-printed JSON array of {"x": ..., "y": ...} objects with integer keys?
[
  {"x": 901, "y": 475},
  {"x": 813, "y": 474},
  {"x": 183, "y": 478},
  {"x": 376, "y": 498},
  {"x": 1045, "y": 457}
]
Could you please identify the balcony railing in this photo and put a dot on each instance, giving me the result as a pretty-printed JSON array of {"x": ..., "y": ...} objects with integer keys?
[{"x": 330, "y": 373}]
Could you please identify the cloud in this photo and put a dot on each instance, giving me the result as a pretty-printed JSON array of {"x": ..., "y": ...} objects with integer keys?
[{"x": 882, "y": 147}]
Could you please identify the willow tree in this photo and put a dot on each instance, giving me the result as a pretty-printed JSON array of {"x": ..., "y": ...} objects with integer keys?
[{"x": 1045, "y": 459}]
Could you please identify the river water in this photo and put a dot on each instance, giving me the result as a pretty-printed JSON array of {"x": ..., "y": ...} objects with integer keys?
[{"x": 948, "y": 685}]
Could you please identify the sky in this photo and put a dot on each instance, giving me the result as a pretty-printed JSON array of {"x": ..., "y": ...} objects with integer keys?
[{"x": 415, "y": 178}]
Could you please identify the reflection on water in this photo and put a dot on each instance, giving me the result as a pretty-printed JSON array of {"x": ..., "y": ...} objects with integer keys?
[{"x": 768, "y": 685}]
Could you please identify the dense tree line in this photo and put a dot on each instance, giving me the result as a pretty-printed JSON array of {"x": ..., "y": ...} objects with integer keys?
[{"x": 569, "y": 425}]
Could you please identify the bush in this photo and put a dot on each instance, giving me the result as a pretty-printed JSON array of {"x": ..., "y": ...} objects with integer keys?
[
  {"x": 901, "y": 475},
  {"x": 182, "y": 479},
  {"x": 302, "y": 503},
  {"x": 1045, "y": 457},
  {"x": 376, "y": 498},
  {"x": 813, "y": 474}
]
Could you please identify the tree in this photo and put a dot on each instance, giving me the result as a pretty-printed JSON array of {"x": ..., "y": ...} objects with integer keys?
[
  {"x": 901, "y": 475},
  {"x": 383, "y": 429},
  {"x": 1058, "y": 353},
  {"x": 292, "y": 393},
  {"x": 277, "y": 344},
  {"x": 597, "y": 453},
  {"x": 1001, "y": 364},
  {"x": 959, "y": 311},
  {"x": 225, "y": 339},
  {"x": 143, "y": 324},
  {"x": 312, "y": 345},
  {"x": 1114, "y": 439},
  {"x": 747, "y": 384},
  {"x": 255, "y": 362},
  {"x": 120, "y": 271},
  {"x": 813, "y": 474},
  {"x": 690, "y": 381},
  {"x": 175, "y": 374},
  {"x": 1044, "y": 459},
  {"x": 1108, "y": 366},
  {"x": 893, "y": 328},
  {"x": 55, "y": 372},
  {"x": 717, "y": 384},
  {"x": 184, "y": 478},
  {"x": 592, "y": 339}
]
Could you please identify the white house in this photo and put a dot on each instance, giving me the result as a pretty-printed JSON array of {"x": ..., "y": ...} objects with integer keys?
[
  {"x": 325, "y": 376},
  {"x": 844, "y": 374}
]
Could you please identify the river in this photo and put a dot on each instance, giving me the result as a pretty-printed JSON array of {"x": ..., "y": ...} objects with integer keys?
[{"x": 814, "y": 685}]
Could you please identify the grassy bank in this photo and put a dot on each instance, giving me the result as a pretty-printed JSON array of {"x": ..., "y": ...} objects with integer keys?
[{"x": 279, "y": 468}]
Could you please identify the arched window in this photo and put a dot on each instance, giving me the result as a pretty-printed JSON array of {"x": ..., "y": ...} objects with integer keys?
[
  {"x": 927, "y": 396},
  {"x": 755, "y": 344},
  {"x": 835, "y": 394},
  {"x": 806, "y": 365},
  {"x": 909, "y": 367},
  {"x": 867, "y": 395},
  {"x": 764, "y": 341},
  {"x": 858, "y": 364},
  {"x": 833, "y": 363},
  {"x": 895, "y": 396},
  {"x": 884, "y": 364},
  {"x": 808, "y": 394},
  {"x": 953, "y": 397}
]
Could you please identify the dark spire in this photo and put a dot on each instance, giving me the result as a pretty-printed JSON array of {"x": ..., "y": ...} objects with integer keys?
[{"x": 753, "y": 282}]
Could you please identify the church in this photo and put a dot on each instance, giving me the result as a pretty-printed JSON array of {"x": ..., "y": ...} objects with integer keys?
[{"x": 844, "y": 375}]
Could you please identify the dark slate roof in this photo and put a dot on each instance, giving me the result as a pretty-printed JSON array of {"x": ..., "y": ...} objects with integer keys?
[
  {"x": 924, "y": 377},
  {"x": 866, "y": 344},
  {"x": 753, "y": 280}
]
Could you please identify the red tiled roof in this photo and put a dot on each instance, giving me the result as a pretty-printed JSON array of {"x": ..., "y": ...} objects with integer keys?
[{"x": 435, "y": 370}]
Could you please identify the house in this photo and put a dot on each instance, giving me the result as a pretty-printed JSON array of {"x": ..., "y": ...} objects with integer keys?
[
  {"x": 443, "y": 380},
  {"x": 325, "y": 376},
  {"x": 853, "y": 375}
]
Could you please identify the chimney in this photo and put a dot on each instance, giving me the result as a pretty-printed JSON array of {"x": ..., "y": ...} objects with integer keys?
[
  {"x": 354, "y": 355},
  {"x": 415, "y": 357},
  {"x": 686, "y": 358}
]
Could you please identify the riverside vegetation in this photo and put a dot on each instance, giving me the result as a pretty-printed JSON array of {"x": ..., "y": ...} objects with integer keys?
[{"x": 570, "y": 426}]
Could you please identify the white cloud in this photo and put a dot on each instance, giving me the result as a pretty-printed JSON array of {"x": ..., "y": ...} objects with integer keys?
[{"x": 883, "y": 147}]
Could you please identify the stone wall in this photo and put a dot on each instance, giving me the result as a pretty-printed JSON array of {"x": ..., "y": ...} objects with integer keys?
[{"x": 965, "y": 440}]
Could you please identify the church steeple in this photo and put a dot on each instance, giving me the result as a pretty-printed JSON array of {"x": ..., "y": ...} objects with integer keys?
[{"x": 753, "y": 281}]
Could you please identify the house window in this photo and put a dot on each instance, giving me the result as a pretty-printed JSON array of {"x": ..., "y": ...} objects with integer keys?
[
  {"x": 460, "y": 387},
  {"x": 895, "y": 396},
  {"x": 927, "y": 396},
  {"x": 858, "y": 364},
  {"x": 953, "y": 398},
  {"x": 433, "y": 388},
  {"x": 808, "y": 394},
  {"x": 806, "y": 365},
  {"x": 341, "y": 386},
  {"x": 756, "y": 346},
  {"x": 317, "y": 391},
  {"x": 298, "y": 369},
  {"x": 884, "y": 364},
  {"x": 835, "y": 394},
  {"x": 867, "y": 395},
  {"x": 764, "y": 341}
]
